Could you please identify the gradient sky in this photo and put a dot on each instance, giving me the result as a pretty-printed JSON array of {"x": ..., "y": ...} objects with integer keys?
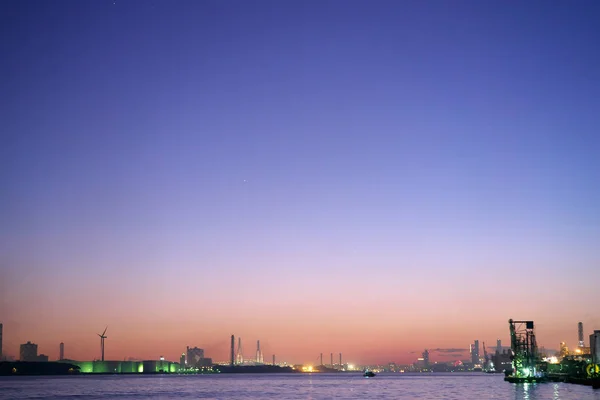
[{"x": 364, "y": 177}]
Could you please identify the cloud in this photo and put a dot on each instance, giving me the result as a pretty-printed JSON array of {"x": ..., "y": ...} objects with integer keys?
[{"x": 449, "y": 350}]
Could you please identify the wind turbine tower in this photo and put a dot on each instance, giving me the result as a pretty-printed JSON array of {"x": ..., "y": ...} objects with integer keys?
[{"x": 102, "y": 337}]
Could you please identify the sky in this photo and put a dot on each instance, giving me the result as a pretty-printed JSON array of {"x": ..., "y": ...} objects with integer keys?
[{"x": 366, "y": 177}]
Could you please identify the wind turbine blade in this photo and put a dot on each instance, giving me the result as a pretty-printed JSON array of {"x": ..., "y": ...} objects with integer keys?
[{"x": 104, "y": 330}]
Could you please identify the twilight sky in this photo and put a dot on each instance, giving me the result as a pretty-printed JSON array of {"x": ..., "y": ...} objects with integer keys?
[{"x": 365, "y": 177}]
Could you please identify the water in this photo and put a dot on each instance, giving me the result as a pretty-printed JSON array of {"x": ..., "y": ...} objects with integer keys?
[{"x": 288, "y": 386}]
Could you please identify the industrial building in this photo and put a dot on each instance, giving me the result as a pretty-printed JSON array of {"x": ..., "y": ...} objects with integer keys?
[
  {"x": 194, "y": 355},
  {"x": 28, "y": 352},
  {"x": 194, "y": 358},
  {"x": 125, "y": 367}
]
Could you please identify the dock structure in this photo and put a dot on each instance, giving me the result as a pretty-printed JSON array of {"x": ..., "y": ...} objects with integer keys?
[{"x": 526, "y": 359}]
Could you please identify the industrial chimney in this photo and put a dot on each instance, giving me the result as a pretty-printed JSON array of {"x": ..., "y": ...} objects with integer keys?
[{"x": 232, "y": 350}]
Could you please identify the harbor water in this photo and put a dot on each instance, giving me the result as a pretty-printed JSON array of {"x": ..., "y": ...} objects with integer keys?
[{"x": 287, "y": 386}]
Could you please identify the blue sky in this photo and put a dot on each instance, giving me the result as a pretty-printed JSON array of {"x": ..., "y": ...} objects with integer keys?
[{"x": 281, "y": 145}]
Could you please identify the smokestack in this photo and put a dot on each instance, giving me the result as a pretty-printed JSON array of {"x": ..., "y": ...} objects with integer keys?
[
  {"x": 240, "y": 352},
  {"x": 62, "y": 351},
  {"x": 273, "y": 359},
  {"x": 321, "y": 358},
  {"x": 258, "y": 351},
  {"x": 580, "y": 332},
  {"x": 232, "y": 350},
  {"x": 340, "y": 360},
  {"x": 332, "y": 359}
]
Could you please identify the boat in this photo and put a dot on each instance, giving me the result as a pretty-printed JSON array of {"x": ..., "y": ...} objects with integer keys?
[{"x": 368, "y": 374}]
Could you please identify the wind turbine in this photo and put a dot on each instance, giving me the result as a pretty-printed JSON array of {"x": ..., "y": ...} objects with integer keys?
[{"x": 102, "y": 337}]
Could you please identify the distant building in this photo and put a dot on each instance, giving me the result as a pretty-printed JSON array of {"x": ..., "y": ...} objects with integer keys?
[
  {"x": 42, "y": 357},
  {"x": 28, "y": 352},
  {"x": 426, "y": 358},
  {"x": 595, "y": 346},
  {"x": 502, "y": 361},
  {"x": 475, "y": 352},
  {"x": 62, "y": 351},
  {"x": 499, "y": 345},
  {"x": 182, "y": 361},
  {"x": 419, "y": 364},
  {"x": 564, "y": 350},
  {"x": 194, "y": 355},
  {"x": 204, "y": 362}
]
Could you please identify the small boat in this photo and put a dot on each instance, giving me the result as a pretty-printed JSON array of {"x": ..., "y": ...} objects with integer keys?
[{"x": 368, "y": 374}]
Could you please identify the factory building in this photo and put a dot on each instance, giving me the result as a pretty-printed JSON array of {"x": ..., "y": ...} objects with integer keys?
[
  {"x": 194, "y": 355},
  {"x": 125, "y": 367},
  {"x": 28, "y": 352}
]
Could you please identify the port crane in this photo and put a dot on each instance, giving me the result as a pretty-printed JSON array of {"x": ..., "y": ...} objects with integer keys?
[{"x": 525, "y": 358}]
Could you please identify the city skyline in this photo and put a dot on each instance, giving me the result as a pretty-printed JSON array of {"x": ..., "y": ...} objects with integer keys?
[
  {"x": 362, "y": 177},
  {"x": 358, "y": 356}
]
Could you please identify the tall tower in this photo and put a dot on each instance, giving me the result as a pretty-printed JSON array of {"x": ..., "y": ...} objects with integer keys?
[
  {"x": 499, "y": 345},
  {"x": 580, "y": 334},
  {"x": 62, "y": 351},
  {"x": 259, "y": 356},
  {"x": 1, "y": 358},
  {"x": 425, "y": 355},
  {"x": 240, "y": 352},
  {"x": 475, "y": 352},
  {"x": 232, "y": 350}
]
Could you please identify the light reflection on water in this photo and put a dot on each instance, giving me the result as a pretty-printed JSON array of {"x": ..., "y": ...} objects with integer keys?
[{"x": 289, "y": 386}]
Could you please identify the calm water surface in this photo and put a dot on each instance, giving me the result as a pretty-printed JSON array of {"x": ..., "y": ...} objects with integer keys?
[{"x": 288, "y": 386}]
